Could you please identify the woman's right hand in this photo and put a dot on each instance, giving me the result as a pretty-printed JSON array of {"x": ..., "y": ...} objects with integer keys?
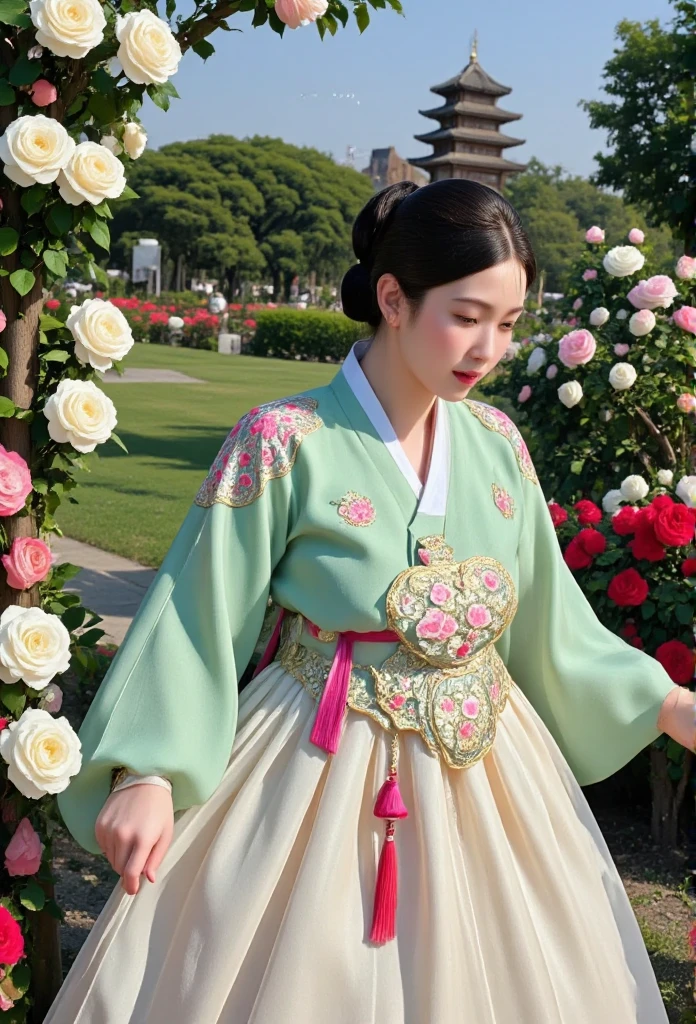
[{"x": 134, "y": 830}]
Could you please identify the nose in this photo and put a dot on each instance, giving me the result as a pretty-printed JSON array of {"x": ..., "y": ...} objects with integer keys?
[{"x": 484, "y": 347}]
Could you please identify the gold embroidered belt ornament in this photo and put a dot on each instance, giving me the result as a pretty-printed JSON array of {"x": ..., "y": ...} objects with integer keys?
[{"x": 445, "y": 681}]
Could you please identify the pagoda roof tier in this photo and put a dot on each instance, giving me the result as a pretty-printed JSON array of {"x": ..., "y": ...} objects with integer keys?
[
  {"x": 473, "y": 160},
  {"x": 482, "y": 135},
  {"x": 465, "y": 107},
  {"x": 474, "y": 79}
]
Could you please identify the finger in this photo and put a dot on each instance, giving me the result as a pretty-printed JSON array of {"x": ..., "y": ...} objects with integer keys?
[
  {"x": 134, "y": 867},
  {"x": 157, "y": 856}
]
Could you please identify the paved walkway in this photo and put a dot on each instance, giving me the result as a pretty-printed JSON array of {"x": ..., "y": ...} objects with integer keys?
[
  {"x": 109, "y": 585},
  {"x": 137, "y": 376}
]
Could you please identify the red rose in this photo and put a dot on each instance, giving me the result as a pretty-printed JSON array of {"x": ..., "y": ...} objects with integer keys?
[
  {"x": 674, "y": 525},
  {"x": 624, "y": 522},
  {"x": 11, "y": 938},
  {"x": 628, "y": 589},
  {"x": 592, "y": 541},
  {"x": 629, "y": 630},
  {"x": 558, "y": 514},
  {"x": 645, "y": 544},
  {"x": 3, "y": 723},
  {"x": 575, "y": 555},
  {"x": 637, "y": 642},
  {"x": 678, "y": 661},
  {"x": 688, "y": 567},
  {"x": 588, "y": 512}
]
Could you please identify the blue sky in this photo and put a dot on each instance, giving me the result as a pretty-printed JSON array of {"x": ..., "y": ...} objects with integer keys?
[{"x": 551, "y": 52}]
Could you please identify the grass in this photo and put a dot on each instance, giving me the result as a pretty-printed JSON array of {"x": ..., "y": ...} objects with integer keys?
[{"x": 133, "y": 504}]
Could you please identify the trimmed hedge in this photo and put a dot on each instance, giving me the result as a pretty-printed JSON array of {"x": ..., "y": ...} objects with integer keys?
[{"x": 313, "y": 335}]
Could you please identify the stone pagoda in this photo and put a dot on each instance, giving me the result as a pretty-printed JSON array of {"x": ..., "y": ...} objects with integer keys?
[{"x": 469, "y": 142}]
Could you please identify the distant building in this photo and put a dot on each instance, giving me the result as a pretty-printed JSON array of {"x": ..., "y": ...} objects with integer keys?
[
  {"x": 469, "y": 142},
  {"x": 387, "y": 167}
]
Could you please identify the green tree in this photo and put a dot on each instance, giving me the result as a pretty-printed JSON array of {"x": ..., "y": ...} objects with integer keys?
[{"x": 649, "y": 119}]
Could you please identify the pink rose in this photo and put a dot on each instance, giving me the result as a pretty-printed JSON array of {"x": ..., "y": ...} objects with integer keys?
[
  {"x": 447, "y": 705},
  {"x": 577, "y": 305},
  {"x": 244, "y": 459},
  {"x": 424, "y": 556},
  {"x": 15, "y": 482},
  {"x": 361, "y": 511},
  {"x": 467, "y": 730},
  {"x": 266, "y": 425},
  {"x": 636, "y": 236},
  {"x": 463, "y": 650},
  {"x": 622, "y": 349},
  {"x": 572, "y": 322},
  {"x": 686, "y": 268},
  {"x": 398, "y": 701},
  {"x": 658, "y": 291},
  {"x": 245, "y": 480},
  {"x": 685, "y": 317},
  {"x": 436, "y": 625},
  {"x": 43, "y": 92},
  {"x": 491, "y": 580},
  {"x": 267, "y": 457},
  {"x": 28, "y": 562},
  {"x": 686, "y": 403},
  {"x": 23, "y": 852},
  {"x": 478, "y": 615},
  {"x": 440, "y": 594},
  {"x": 589, "y": 275},
  {"x": 576, "y": 348},
  {"x": 5, "y": 1003},
  {"x": 3, "y": 318},
  {"x": 525, "y": 394},
  {"x": 595, "y": 235},
  {"x": 470, "y": 707},
  {"x": 551, "y": 371},
  {"x": 294, "y": 12}
]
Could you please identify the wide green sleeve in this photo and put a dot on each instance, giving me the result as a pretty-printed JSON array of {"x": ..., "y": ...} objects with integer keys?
[
  {"x": 599, "y": 697},
  {"x": 168, "y": 704}
]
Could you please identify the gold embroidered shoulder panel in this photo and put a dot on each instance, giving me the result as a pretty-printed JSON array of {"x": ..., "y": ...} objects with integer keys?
[
  {"x": 496, "y": 420},
  {"x": 263, "y": 446}
]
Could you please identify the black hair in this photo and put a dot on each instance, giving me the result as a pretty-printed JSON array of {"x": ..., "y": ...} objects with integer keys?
[{"x": 427, "y": 237}]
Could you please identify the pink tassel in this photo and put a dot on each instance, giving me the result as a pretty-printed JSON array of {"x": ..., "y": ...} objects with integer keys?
[
  {"x": 326, "y": 732},
  {"x": 384, "y": 912},
  {"x": 389, "y": 803},
  {"x": 271, "y": 647}
]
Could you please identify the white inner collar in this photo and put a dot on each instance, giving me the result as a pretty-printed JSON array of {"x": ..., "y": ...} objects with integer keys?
[{"x": 433, "y": 495}]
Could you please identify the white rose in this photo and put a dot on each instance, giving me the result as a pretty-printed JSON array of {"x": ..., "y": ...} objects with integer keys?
[
  {"x": 134, "y": 140},
  {"x": 101, "y": 332},
  {"x": 68, "y": 28},
  {"x": 570, "y": 393},
  {"x": 665, "y": 477},
  {"x": 622, "y": 314},
  {"x": 34, "y": 646},
  {"x": 42, "y": 752},
  {"x": 686, "y": 490},
  {"x": 599, "y": 316},
  {"x": 536, "y": 360},
  {"x": 611, "y": 502},
  {"x": 633, "y": 488},
  {"x": 34, "y": 149},
  {"x": 623, "y": 260},
  {"x": 509, "y": 353},
  {"x": 149, "y": 51},
  {"x": 112, "y": 144},
  {"x": 175, "y": 323},
  {"x": 622, "y": 376},
  {"x": 91, "y": 174},
  {"x": 642, "y": 323},
  {"x": 80, "y": 414}
]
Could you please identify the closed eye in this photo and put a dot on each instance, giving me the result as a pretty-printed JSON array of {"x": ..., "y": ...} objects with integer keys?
[{"x": 465, "y": 319}]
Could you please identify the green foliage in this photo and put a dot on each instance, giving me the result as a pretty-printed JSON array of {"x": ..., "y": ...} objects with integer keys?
[{"x": 304, "y": 334}]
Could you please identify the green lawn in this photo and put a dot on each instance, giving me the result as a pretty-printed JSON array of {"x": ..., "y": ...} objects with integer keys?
[{"x": 133, "y": 504}]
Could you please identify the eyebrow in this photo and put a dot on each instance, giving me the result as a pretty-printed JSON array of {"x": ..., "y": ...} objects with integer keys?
[{"x": 487, "y": 305}]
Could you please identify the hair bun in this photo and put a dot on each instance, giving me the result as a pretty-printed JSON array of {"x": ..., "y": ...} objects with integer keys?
[
  {"x": 358, "y": 297},
  {"x": 374, "y": 217}
]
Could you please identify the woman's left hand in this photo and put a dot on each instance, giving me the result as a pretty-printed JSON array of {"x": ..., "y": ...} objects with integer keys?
[{"x": 677, "y": 717}]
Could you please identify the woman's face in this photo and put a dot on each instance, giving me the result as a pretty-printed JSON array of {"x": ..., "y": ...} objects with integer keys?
[{"x": 462, "y": 329}]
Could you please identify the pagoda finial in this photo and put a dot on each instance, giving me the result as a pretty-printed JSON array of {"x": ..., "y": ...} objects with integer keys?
[{"x": 474, "y": 49}]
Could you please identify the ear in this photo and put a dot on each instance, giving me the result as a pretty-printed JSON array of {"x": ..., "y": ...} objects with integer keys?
[{"x": 391, "y": 300}]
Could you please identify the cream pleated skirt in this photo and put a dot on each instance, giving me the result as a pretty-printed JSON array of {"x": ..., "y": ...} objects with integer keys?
[{"x": 511, "y": 910}]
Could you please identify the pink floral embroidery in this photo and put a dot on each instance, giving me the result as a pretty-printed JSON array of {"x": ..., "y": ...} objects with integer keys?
[
  {"x": 463, "y": 650},
  {"x": 466, "y": 731},
  {"x": 440, "y": 594},
  {"x": 407, "y": 603},
  {"x": 472, "y": 636},
  {"x": 491, "y": 580},
  {"x": 356, "y": 510},
  {"x": 504, "y": 502},
  {"x": 498, "y": 422},
  {"x": 255, "y": 451},
  {"x": 424, "y": 556},
  {"x": 447, "y": 705},
  {"x": 478, "y": 615},
  {"x": 494, "y": 691},
  {"x": 470, "y": 707},
  {"x": 436, "y": 625},
  {"x": 398, "y": 701}
]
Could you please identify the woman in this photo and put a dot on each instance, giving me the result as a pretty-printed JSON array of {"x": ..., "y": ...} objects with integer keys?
[{"x": 401, "y": 533}]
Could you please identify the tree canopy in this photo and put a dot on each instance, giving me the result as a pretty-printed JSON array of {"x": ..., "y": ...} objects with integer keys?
[{"x": 258, "y": 207}]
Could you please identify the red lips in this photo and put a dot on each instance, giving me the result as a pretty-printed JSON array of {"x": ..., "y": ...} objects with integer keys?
[{"x": 467, "y": 378}]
